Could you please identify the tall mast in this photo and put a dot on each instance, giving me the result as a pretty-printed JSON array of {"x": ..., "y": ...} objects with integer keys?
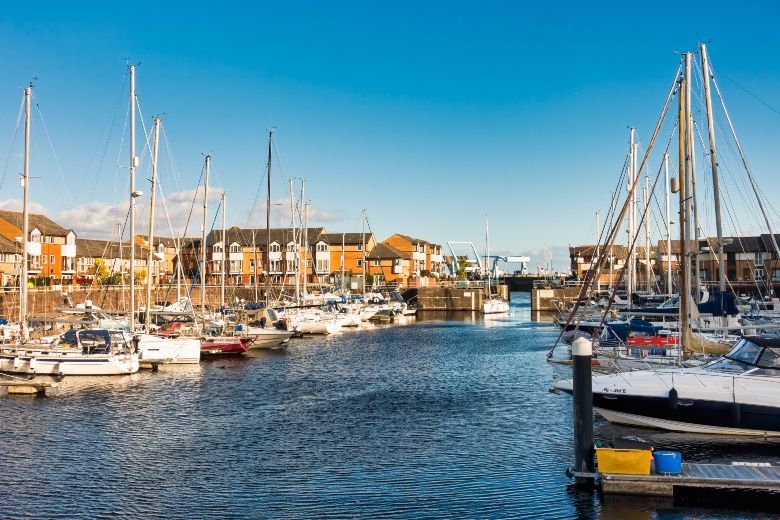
[
  {"x": 684, "y": 265},
  {"x": 25, "y": 218},
  {"x": 305, "y": 248},
  {"x": 693, "y": 196},
  {"x": 343, "y": 239},
  {"x": 133, "y": 195},
  {"x": 296, "y": 251},
  {"x": 203, "y": 270},
  {"x": 715, "y": 186},
  {"x": 299, "y": 243},
  {"x": 647, "y": 232},
  {"x": 631, "y": 218},
  {"x": 148, "y": 317},
  {"x": 668, "y": 231},
  {"x": 363, "y": 248},
  {"x": 225, "y": 254},
  {"x": 268, "y": 225},
  {"x": 487, "y": 252}
]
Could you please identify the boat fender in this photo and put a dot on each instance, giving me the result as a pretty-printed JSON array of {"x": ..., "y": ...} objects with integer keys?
[
  {"x": 673, "y": 399},
  {"x": 735, "y": 414},
  {"x": 32, "y": 363},
  {"x": 17, "y": 362}
]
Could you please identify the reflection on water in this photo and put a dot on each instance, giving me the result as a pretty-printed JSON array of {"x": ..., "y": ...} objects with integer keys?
[{"x": 444, "y": 417}]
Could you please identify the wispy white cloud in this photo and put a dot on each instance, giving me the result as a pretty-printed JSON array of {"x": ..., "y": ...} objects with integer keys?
[{"x": 18, "y": 205}]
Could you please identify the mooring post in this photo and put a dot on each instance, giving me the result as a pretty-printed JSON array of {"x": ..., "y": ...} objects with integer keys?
[{"x": 582, "y": 356}]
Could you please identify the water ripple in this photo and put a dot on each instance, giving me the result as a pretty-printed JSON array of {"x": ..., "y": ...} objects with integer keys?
[{"x": 441, "y": 418}]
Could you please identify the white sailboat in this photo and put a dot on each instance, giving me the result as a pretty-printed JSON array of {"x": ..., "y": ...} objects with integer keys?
[
  {"x": 179, "y": 350},
  {"x": 93, "y": 352},
  {"x": 492, "y": 303}
]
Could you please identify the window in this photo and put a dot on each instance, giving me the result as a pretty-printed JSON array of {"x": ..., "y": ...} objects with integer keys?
[
  {"x": 323, "y": 266},
  {"x": 217, "y": 248},
  {"x": 360, "y": 262},
  {"x": 360, "y": 247},
  {"x": 759, "y": 259},
  {"x": 759, "y": 274},
  {"x": 43, "y": 260},
  {"x": 235, "y": 266},
  {"x": 776, "y": 275},
  {"x": 276, "y": 248},
  {"x": 290, "y": 265},
  {"x": 290, "y": 247},
  {"x": 51, "y": 259},
  {"x": 377, "y": 263},
  {"x": 251, "y": 265},
  {"x": 322, "y": 247},
  {"x": 235, "y": 248}
]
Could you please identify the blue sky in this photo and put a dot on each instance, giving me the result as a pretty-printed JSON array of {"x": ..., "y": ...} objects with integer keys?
[{"x": 428, "y": 115}]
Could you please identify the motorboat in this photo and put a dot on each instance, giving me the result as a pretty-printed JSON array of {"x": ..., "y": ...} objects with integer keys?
[
  {"x": 90, "y": 352},
  {"x": 735, "y": 394}
]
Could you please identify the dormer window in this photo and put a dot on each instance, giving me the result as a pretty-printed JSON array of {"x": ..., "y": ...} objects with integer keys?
[{"x": 235, "y": 248}]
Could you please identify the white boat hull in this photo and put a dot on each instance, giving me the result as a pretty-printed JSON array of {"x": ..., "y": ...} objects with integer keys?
[
  {"x": 168, "y": 350},
  {"x": 69, "y": 362}
]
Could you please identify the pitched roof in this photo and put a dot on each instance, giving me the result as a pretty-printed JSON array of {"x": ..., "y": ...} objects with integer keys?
[
  {"x": 347, "y": 238},
  {"x": 43, "y": 223},
  {"x": 259, "y": 237},
  {"x": 9, "y": 246},
  {"x": 90, "y": 248},
  {"x": 413, "y": 240},
  {"x": 387, "y": 252}
]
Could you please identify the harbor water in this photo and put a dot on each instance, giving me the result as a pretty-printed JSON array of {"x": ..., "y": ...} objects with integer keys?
[{"x": 446, "y": 416}]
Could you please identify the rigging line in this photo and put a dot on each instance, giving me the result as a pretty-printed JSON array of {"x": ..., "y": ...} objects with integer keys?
[
  {"x": 374, "y": 249},
  {"x": 279, "y": 162},
  {"x": 192, "y": 207},
  {"x": 13, "y": 142},
  {"x": 112, "y": 120},
  {"x": 599, "y": 263},
  {"x": 171, "y": 160},
  {"x": 750, "y": 174},
  {"x": 102, "y": 157},
  {"x": 636, "y": 236},
  {"x": 119, "y": 167},
  {"x": 51, "y": 145},
  {"x": 770, "y": 107}
]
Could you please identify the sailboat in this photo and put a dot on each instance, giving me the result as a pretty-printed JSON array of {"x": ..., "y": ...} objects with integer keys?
[
  {"x": 179, "y": 350},
  {"x": 492, "y": 303},
  {"x": 92, "y": 352},
  {"x": 736, "y": 394}
]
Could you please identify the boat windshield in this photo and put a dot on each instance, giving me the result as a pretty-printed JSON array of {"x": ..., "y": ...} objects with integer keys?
[
  {"x": 747, "y": 355},
  {"x": 671, "y": 303},
  {"x": 745, "y": 351}
]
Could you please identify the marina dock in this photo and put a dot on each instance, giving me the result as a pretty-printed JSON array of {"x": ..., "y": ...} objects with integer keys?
[
  {"x": 713, "y": 477},
  {"x": 23, "y": 387}
]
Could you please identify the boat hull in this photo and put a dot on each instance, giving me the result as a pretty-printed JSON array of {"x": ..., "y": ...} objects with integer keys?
[
  {"x": 689, "y": 400},
  {"x": 169, "y": 350},
  {"x": 69, "y": 363},
  {"x": 225, "y": 345}
]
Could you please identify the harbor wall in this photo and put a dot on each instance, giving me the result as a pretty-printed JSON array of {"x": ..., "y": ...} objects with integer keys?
[
  {"x": 451, "y": 298},
  {"x": 549, "y": 299}
]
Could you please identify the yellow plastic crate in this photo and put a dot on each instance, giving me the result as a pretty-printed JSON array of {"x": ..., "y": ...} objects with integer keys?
[{"x": 626, "y": 462}]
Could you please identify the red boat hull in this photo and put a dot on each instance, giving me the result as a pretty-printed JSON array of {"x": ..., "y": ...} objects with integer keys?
[{"x": 225, "y": 345}]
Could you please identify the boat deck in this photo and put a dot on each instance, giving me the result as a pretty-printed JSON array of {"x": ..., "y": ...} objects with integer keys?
[{"x": 708, "y": 476}]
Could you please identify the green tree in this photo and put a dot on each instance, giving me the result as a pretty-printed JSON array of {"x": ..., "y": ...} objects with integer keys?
[
  {"x": 100, "y": 271},
  {"x": 140, "y": 276},
  {"x": 462, "y": 265}
]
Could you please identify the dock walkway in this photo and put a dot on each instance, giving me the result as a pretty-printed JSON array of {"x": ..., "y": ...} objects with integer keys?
[{"x": 706, "y": 476}]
